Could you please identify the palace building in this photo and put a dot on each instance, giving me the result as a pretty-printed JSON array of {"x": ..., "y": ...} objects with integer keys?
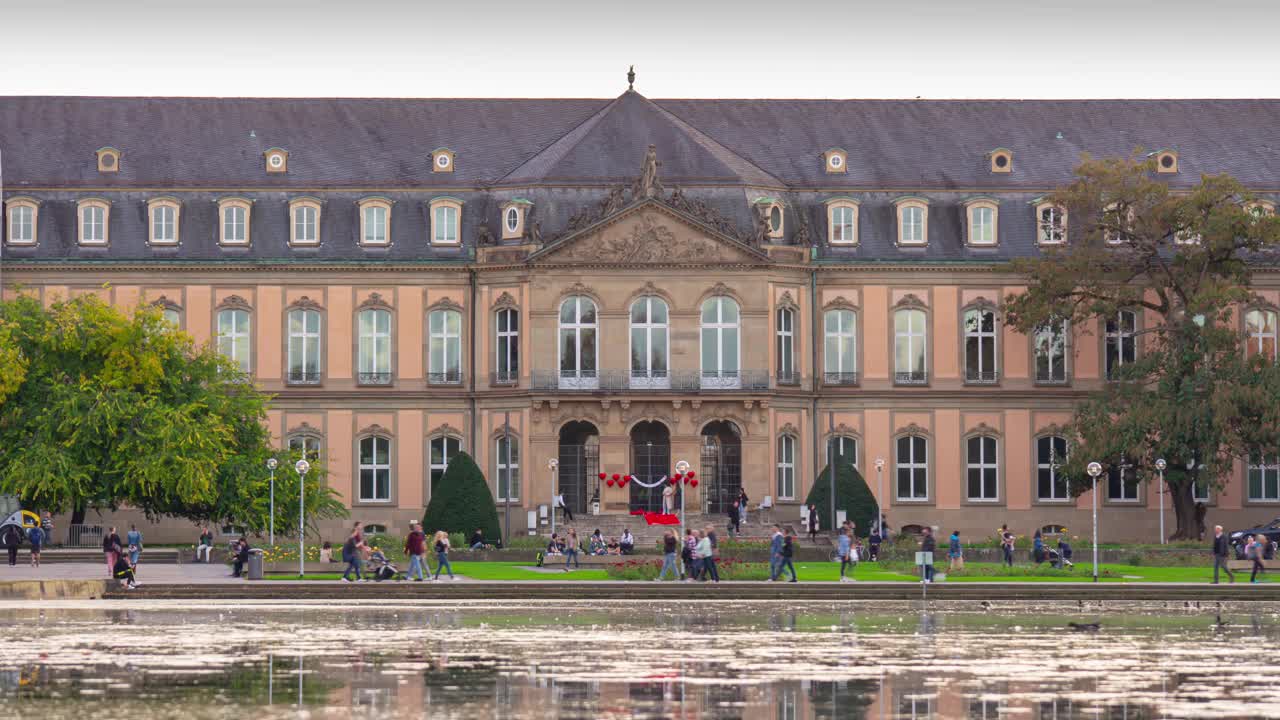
[{"x": 622, "y": 284}]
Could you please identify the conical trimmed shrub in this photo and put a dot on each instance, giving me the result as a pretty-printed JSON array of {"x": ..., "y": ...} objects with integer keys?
[
  {"x": 852, "y": 495},
  {"x": 462, "y": 502}
]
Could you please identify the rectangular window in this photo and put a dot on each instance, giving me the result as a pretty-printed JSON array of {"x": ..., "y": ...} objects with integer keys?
[
  {"x": 445, "y": 225},
  {"x": 445, "y": 346},
  {"x": 786, "y": 467},
  {"x": 305, "y": 446},
  {"x": 234, "y": 225},
  {"x": 1050, "y": 343},
  {"x": 982, "y": 230},
  {"x": 980, "y": 346},
  {"x": 375, "y": 225},
  {"x": 443, "y": 449},
  {"x": 93, "y": 225},
  {"x": 1121, "y": 342},
  {"x": 374, "y": 354},
  {"x": 22, "y": 225},
  {"x": 786, "y": 346},
  {"x": 983, "y": 470},
  {"x": 913, "y": 468},
  {"x": 508, "y": 454},
  {"x": 304, "y": 346},
  {"x": 1260, "y": 334},
  {"x": 233, "y": 337},
  {"x": 909, "y": 347},
  {"x": 1051, "y": 485},
  {"x": 1053, "y": 229},
  {"x": 843, "y": 231},
  {"x": 306, "y": 229},
  {"x": 838, "y": 364},
  {"x": 163, "y": 225},
  {"x": 1122, "y": 483},
  {"x": 912, "y": 225},
  {"x": 1264, "y": 479},
  {"x": 375, "y": 469},
  {"x": 508, "y": 346}
]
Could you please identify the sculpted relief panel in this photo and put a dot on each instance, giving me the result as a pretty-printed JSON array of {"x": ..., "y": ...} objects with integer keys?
[{"x": 650, "y": 236}]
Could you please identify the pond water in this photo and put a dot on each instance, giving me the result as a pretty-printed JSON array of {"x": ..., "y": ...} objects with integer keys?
[{"x": 142, "y": 660}]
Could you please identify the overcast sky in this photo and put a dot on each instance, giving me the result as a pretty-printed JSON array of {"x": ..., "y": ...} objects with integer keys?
[{"x": 685, "y": 48}]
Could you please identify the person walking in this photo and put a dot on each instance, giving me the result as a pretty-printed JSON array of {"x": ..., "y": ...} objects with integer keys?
[
  {"x": 12, "y": 539},
  {"x": 1255, "y": 552},
  {"x": 442, "y": 555},
  {"x": 134, "y": 538},
  {"x": 668, "y": 556},
  {"x": 205, "y": 545},
  {"x": 352, "y": 555},
  {"x": 742, "y": 507},
  {"x": 775, "y": 553},
  {"x": 1006, "y": 544},
  {"x": 37, "y": 537},
  {"x": 686, "y": 554},
  {"x": 111, "y": 548},
  {"x": 873, "y": 545},
  {"x": 735, "y": 520},
  {"x": 709, "y": 562},
  {"x": 703, "y": 555},
  {"x": 844, "y": 548},
  {"x": 928, "y": 545},
  {"x": 415, "y": 546},
  {"x": 571, "y": 549},
  {"x": 813, "y": 523},
  {"x": 1221, "y": 547},
  {"x": 1038, "y": 553},
  {"x": 955, "y": 553},
  {"x": 788, "y": 551}
]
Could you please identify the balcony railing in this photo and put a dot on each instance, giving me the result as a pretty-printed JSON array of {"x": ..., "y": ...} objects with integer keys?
[
  {"x": 840, "y": 378},
  {"x": 675, "y": 380},
  {"x": 448, "y": 377},
  {"x": 981, "y": 377},
  {"x": 1052, "y": 379},
  {"x": 303, "y": 377},
  {"x": 373, "y": 378},
  {"x": 787, "y": 377},
  {"x": 504, "y": 377},
  {"x": 911, "y": 377}
]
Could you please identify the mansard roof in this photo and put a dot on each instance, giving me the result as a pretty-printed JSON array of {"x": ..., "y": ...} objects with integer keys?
[{"x": 386, "y": 143}]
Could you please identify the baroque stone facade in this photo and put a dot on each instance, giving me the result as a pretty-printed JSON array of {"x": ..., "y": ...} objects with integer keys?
[{"x": 669, "y": 283}]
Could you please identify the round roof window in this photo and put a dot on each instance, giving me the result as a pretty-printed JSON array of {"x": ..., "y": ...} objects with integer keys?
[
  {"x": 1166, "y": 161},
  {"x": 775, "y": 219},
  {"x": 442, "y": 160},
  {"x": 1002, "y": 160},
  {"x": 108, "y": 160}
]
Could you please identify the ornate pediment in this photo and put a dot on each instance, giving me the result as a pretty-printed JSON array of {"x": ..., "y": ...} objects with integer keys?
[
  {"x": 912, "y": 429},
  {"x": 445, "y": 303},
  {"x": 1061, "y": 431},
  {"x": 789, "y": 429},
  {"x": 305, "y": 428},
  {"x": 375, "y": 300},
  {"x": 305, "y": 303},
  {"x": 651, "y": 233},
  {"x": 843, "y": 430},
  {"x": 234, "y": 302},
  {"x": 444, "y": 429},
  {"x": 786, "y": 301},
  {"x": 375, "y": 429},
  {"x": 984, "y": 429},
  {"x": 911, "y": 300},
  {"x": 840, "y": 302},
  {"x": 505, "y": 300}
]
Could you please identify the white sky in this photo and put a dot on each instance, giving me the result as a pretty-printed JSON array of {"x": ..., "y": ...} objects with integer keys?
[{"x": 690, "y": 48}]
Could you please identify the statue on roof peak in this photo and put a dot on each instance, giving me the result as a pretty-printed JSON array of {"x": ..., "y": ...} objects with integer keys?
[
  {"x": 648, "y": 185},
  {"x": 631, "y": 78}
]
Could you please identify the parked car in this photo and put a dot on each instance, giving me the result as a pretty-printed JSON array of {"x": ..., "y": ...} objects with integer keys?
[
  {"x": 23, "y": 519},
  {"x": 1271, "y": 530}
]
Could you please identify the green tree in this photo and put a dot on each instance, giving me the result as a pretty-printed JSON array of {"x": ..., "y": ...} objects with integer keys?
[
  {"x": 852, "y": 495},
  {"x": 462, "y": 501},
  {"x": 119, "y": 408},
  {"x": 1181, "y": 258}
]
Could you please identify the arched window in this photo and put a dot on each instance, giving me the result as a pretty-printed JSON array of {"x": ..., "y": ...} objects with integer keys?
[
  {"x": 913, "y": 221},
  {"x": 983, "y": 469},
  {"x": 164, "y": 221},
  {"x": 1051, "y": 220},
  {"x": 233, "y": 337},
  {"x": 172, "y": 316},
  {"x": 912, "y": 463},
  {"x": 94, "y": 214},
  {"x": 846, "y": 447},
  {"x": 1260, "y": 331},
  {"x": 786, "y": 331},
  {"x": 720, "y": 342},
  {"x": 839, "y": 359},
  {"x": 304, "y": 346},
  {"x": 1050, "y": 345},
  {"x": 305, "y": 446},
  {"x": 373, "y": 355},
  {"x": 983, "y": 219},
  {"x": 980, "y": 346},
  {"x": 1121, "y": 341},
  {"x": 786, "y": 467},
  {"x": 443, "y": 449},
  {"x": 24, "y": 213},
  {"x": 909, "y": 346},
  {"x": 1051, "y": 484},
  {"x": 375, "y": 469},
  {"x": 507, "y": 346},
  {"x": 507, "y": 456},
  {"x": 445, "y": 346},
  {"x": 843, "y": 222},
  {"x": 649, "y": 343},
  {"x": 578, "y": 343},
  {"x": 444, "y": 221},
  {"x": 305, "y": 222},
  {"x": 234, "y": 227},
  {"x": 375, "y": 221}
]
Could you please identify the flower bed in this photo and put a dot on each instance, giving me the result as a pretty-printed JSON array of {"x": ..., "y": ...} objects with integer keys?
[{"x": 728, "y": 569}]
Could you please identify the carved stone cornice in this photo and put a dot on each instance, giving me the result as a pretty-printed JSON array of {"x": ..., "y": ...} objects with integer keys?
[
  {"x": 375, "y": 429},
  {"x": 839, "y": 302},
  {"x": 786, "y": 301},
  {"x": 304, "y": 303},
  {"x": 375, "y": 300},
  {"x": 911, "y": 300},
  {"x": 234, "y": 302},
  {"x": 1061, "y": 431},
  {"x": 444, "y": 430},
  {"x": 305, "y": 428},
  {"x": 445, "y": 303},
  {"x": 842, "y": 430},
  {"x": 164, "y": 302},
  {"x": 505, "y": 300},
  {"x": 980, "y": 302},
  {"x": 579, "y": 289},
  {"x": 912, "y": 429},
  {"x": 651, "y": 290},
  {"x": 789, "y": 429},
  {"x": 984, "y": 429}
]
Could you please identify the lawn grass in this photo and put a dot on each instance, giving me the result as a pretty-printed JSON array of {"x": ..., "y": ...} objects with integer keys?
[{"x": 830, "y": 572}]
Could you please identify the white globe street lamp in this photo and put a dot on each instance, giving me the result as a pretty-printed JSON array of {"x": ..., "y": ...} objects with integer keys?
[
  {"x": 880, "y": 494},
  {"x": 302, "y": 467},
  {"x": 552, "y": 464},
  {"x": 1160, "y": 466},
  {"x": 271, "y": 465},
  {"x": 1095, "y": 469},
  {"x": 682, "y": 469}
]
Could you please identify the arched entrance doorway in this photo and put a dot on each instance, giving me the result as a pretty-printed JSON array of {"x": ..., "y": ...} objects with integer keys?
[
  {"x": 650, "y": 461},
  {"x": 721, "y": 465},
  {"x": 579, "y": 464}
]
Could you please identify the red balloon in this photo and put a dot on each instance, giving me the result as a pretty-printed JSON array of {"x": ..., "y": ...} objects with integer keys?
[
  {"x": 694, "y": 482},
  {"x": 678, "y": 476},
  {"x": 692, "y": 473},
  {"x": 673, "y": 481},
  {"x": 601, "y": 476},
  {"x": 609, "y": 483},
  {"x": 616, "y": 476}
]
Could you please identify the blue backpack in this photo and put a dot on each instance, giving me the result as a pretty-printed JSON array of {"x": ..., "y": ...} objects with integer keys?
[{"x": 36, "y": 535}]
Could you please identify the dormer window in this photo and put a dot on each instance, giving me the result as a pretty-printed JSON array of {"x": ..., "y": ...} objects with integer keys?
[
  {"x": 1115, "y": 224},
  {"x": 375, "y": 221},
  {"x": 984, "y": 216},
  {"x": 23, "y": 215},
  {"x": 1001, "y": 160},
  {"x": 94, "y": 213},
  {"x": 108, "y": 160},
  {"x": 836, "y": 160},
  {"x": 842, "y": 221},
  {"x": 277, "y": 160},
  {"x": 304, "y": 221},
  {"x": 233, "y": 221},
  {"x": 770, "y": 213},
  {"x": 1261, "y": 208},
  {"x": 442, "y": 160},
  {"x": 513, "y": 218},
  {"x": 446, "y": 213},
  {"x": 1166, "y": 162},
  {"x": 163, "y": 213},
  {"x": 1051, "y": 224},
  {"x": 913, "y": 221}
]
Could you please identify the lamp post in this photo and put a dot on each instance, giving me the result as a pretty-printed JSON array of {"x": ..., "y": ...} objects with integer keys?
[
  {"x": 682, "y": 469},
  {"x": 879, "y": 494},
  {"x": 1160, "y": 466},
  {"x": 271, "y": 465},
  {"x": 1095, "y": 469},
  {"x": 302, "y": 467},
  {"x": 552, "y": 464}
]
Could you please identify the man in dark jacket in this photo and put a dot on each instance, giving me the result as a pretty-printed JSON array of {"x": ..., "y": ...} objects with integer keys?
[
  {"x": 11, "y": 539},
  {"x": 242, "y": 557},
  {"x": 415, "y": 547},
  {"x": 928, "y": 545},
  {"x": 1221, "y": 548}
]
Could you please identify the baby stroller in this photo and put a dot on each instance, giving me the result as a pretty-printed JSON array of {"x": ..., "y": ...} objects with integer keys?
[
  {"x": 382, "y": 569},
  {"x": 1061, "y": 558}
]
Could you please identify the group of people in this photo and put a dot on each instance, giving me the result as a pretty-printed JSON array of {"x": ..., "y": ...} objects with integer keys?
[
  {"x": 570, "y": 548},
  {"x": 122, "y": 560},
  {"x": 1254, "y": 548},
  {"x": 38, "y": 536}
]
